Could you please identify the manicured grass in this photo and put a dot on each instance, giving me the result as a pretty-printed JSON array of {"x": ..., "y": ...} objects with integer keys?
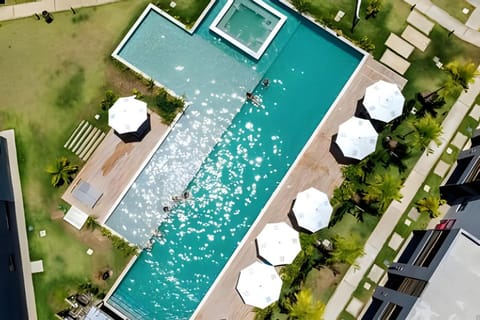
[
  {"x": 186, "y": 11},
  {"x": 454, "y": 8},
  {"x": 468, "y": 126},
  {"x": 53, "y": 76}
]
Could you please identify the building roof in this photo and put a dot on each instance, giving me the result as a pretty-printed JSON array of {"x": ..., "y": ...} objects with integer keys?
[{"x": 452, "y": 291}]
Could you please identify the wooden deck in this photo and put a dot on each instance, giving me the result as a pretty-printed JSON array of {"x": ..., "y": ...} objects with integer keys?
[
  {"x": 113, "y": 167},
  {"x": 316, "y": 167}
]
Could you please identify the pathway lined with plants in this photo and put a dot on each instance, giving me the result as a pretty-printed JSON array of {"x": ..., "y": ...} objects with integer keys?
[
  {"x": 447, "y": 21},
  {"x": 392, "y": 215}
]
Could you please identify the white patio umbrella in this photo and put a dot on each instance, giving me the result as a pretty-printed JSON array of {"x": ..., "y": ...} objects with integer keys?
[
  {"x": 259, "y": 285},
  {"x": 312, "y": 209},
  {"x": 127, "y": 115},
  {"x": 383, "y": 101},
  {"x": 278, "y": 243},
  {"x": 356, "y": 138}
]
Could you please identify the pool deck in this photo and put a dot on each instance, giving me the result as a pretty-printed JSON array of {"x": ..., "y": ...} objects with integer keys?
[
  {"x": 113, "y": 167},
  {"x": 316, "y": 167}
]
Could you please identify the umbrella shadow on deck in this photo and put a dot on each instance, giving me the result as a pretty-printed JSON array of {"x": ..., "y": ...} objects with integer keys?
[
  {"x": 337, "y": 153},
  {"x": 361, "y": 112}
]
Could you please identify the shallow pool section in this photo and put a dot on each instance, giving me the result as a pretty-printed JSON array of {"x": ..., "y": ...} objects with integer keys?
[
  {"x": 307, "y": 68},
  {"x": 249, "y": 25}
]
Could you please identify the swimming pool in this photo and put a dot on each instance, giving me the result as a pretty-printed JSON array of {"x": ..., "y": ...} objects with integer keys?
[{"x": 307, "y": 68}]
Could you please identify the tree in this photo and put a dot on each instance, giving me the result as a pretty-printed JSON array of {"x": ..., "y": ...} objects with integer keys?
[
  {"x": 459, "y": 76},
  {"x": 109, "y": 100},
  {"x": 62, "y": 172},
  {"x": 427, "y": 129},
  {"x": 345, "y": 250},
  {"x": 304, "y": 307},
  {"x": 430, "y": 205},
  {"x": 373, "y": 8},
  {"x": 383, "y": 187}
]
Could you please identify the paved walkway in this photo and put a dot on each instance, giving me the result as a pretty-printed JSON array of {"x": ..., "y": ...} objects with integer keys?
[
  {"x": 30, "y": 8},
  {"x": 448, "y": 22},
  {"x": 390, "y": 218}
]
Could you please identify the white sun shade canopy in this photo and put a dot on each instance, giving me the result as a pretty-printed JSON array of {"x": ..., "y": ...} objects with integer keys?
[
  {"x": 259, "y": 285},
  {"x": 127, "y": 115},
  {"x": 312, "y": 209},
  {"x": 278, "y": 243},
  {"x": 384, "y": 101},
  {"x": 356, "y": 138}
]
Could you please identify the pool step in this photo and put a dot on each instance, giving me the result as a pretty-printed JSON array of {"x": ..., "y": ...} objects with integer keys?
[{"x": 84, "y": 140}]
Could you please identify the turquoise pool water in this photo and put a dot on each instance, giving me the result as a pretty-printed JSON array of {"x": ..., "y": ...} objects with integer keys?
[
  {"x": 253, "y": 147},
  {"x": 248, "y": 23}
]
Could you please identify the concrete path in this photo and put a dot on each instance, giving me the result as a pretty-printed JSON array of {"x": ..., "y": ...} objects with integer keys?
[
  {"x": 448, "y": 22},
  {"x": 30, "y": 8},
  {"x": 390, "y": 218}
]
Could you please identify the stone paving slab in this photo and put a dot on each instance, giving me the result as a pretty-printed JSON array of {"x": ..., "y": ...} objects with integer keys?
[
  {"x": 354, "y": 307},
  {"x": 474, "y": 20},
  {"x": 394, "y": 61},
  {"x": 375, "y": 273},
  {"x": 399, "y": 45},
  {"x": 416, "y": 38},
  {"x": 419, "y": 21},
  {"x": 395, "y": 241},
  {"x": 459, "y": 140},
  {"x": 441, "y": 168}
]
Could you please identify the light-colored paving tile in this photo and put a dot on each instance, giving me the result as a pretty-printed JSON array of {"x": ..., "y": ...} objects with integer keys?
[
  {"x": 375, "y": 273},
  {"x": 441, "y": 168},
  {"x": 354, "y": 307},
  {"x": 475, "y": 113},
  {"x": 395, "y": 241},
  {"x": 474, "y": 20},
  {"x": 419, "y": 21},
  {"x": 416, "y": 38},
  {"x": 399, "y": 45},
  {"x": 394, "y": 61},
  {"x": 413, "y": 214},
  {"x": 459, "y": 140},
  {"x": 407, "y": 222}
]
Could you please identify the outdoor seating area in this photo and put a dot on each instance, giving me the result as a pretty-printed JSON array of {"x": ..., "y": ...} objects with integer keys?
[
  {"x": 278, "y": 244},
  {"x": 357, "y": 137}
]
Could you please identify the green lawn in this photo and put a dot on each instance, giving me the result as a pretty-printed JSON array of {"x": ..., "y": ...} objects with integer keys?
[
  {"x": 186, "y": 11},
  {"x": 53, "y": 76},
  {"x": 454, "y": 8}
]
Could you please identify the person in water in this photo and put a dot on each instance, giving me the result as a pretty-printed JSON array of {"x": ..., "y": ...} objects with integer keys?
[
  {"x": 266, "y": 82},
  {"x": 252, "y": 98}
]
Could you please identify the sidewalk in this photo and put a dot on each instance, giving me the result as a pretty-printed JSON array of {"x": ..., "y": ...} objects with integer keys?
[
  {"x": 30, "y": 8},
  {"x": 390, "y": 218},
  {"x": 448, "y": 22}
]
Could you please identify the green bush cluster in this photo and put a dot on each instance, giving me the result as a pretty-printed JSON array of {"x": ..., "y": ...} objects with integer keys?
[{"x": 119, "y": 243}]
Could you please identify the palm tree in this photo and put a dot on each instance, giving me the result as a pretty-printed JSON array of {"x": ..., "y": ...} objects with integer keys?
[
  {"x": 373, "y": 8},
  {"x": 430, "y": 205},
  {"x": 384, "y": 187},
  {"x": 91, "y": 223},
  {"x": 427, "y": 129},
  {"x": 304, "y": 307},
  {"x": 62, "y": 171},
  {"x": 459, "y": 77},
  {"x": 345, "y": 250}
]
